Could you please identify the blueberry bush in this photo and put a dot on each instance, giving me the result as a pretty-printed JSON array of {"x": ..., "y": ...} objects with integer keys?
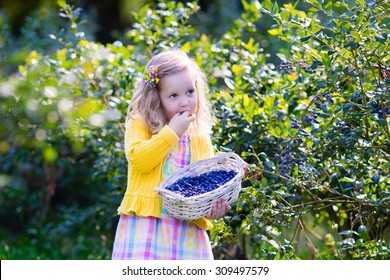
[
  {"x": 310, "y": 117},
  {"x": 321, "y": 117}
]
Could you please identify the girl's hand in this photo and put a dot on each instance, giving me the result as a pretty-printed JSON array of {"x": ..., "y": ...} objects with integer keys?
[
  {"x": 218, "y": 210},
  {"x": 181, "y": 122}
]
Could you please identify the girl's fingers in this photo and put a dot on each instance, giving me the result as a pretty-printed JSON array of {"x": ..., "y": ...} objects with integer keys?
[{"x": 218, "y": 210}]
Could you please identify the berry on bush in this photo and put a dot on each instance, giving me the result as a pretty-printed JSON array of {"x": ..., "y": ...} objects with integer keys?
[
  {"x": 295, "y": 123},
  {"x": 311, "y": 117},
  {"x": 285, "y": 67},
  {"x": 206, "y": 182},
  {"x": 309, "y": 70},
  {"x": 287, "y": 162}
]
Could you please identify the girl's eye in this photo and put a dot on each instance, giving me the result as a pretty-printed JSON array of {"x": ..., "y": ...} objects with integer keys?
[
  {"x": 190, "y": 92},
  {"x": 173, "y": 95}
]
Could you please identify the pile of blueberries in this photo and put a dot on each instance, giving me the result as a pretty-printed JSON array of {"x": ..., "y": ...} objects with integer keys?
[{"x": 206, "y": 182}]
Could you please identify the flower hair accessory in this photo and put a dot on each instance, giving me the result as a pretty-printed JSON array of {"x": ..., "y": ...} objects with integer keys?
[{"x": 151, "y": 78}]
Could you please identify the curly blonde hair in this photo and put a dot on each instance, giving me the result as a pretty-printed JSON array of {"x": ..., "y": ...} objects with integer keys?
[{"x": 146, "y": 101}]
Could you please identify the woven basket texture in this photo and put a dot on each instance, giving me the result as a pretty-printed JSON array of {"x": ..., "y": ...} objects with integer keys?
[{"x": 197, "y": 206}]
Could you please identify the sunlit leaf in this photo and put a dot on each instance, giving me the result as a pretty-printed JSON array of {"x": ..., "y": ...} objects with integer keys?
[{"x": 276, "y": 31}]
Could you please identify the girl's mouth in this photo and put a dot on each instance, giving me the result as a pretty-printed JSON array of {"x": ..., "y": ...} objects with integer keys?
[{"x": 181, "y": 113}]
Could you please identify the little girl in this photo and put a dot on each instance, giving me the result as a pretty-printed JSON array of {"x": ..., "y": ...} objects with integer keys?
[{"x": 168, "y": 126}]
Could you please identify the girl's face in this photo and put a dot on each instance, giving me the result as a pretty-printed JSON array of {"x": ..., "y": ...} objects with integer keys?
[{"x": 178, "y": 94}]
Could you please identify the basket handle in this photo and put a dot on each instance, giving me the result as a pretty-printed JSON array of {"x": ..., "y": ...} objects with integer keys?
[
  {"x": 175, "y": 196},
  {"x": 221, "y": 156}
]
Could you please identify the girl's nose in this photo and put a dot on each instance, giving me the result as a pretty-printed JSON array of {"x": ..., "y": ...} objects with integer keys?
[{"x": 183, "y": 102}]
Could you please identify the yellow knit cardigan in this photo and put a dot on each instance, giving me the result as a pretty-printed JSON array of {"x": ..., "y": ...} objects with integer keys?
[{"x": 146, "y": 154}]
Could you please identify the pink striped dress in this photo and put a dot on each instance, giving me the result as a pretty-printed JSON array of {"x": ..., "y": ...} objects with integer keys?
[{"x": 150, "y": 238}]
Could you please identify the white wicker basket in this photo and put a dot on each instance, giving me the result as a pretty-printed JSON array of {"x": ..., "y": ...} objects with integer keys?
[{"x": 194, "y": 207}]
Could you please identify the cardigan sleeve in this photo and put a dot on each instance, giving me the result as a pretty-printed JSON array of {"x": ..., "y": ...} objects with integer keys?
[{"x": 144, "y": 151}]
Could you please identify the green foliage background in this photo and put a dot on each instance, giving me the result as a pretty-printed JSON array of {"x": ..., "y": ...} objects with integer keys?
[{"x": 310, "y": 116}]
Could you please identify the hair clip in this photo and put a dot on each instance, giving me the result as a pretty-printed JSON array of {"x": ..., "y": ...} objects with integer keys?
[{"x": 151, "y": 78}]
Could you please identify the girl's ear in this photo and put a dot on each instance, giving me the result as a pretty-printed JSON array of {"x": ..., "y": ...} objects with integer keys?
[{"x": 140, "y": 104}]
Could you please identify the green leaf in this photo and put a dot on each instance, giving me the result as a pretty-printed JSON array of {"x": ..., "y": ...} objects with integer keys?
[
  {"x": 276, "y": 31},
  {"x": 313, "y": 2},
  {"x": 315, "y": 64},
  {"x": 275, "y": 8},
  {"x": 304, "y": 39},
  {"x": 186, "y": 47},
  {"x": 380, "y": 39},
  {"x": 347, "y": 107},
  {"x": 61, "y": 4},
  {"x": 321, "y": 85},
  {"x": 230, "y": 83},
  {"x": 348, "y": 232},
  {"x": 326, "y": 61},
  {"x": 285, "y": 15},
  {"x": 382, "y": 122},
  {"x": 275, "y": 132},
  {"x": 267, "y": 4}
]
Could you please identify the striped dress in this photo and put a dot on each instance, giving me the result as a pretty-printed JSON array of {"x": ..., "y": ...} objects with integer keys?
[{"x": 165, "y": 238}]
